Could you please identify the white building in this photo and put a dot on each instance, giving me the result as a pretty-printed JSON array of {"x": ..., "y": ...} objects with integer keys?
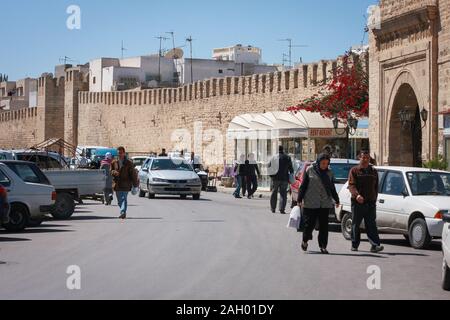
[
  {"x": 111, "y": 74},
  {"x": 19, "y": 94}
]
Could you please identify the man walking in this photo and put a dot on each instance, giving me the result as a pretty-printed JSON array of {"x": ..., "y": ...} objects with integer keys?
[
  {"x": 239, "y": 170},
  {"x": 363, "y": 185},
  {"x": 280, "y": 169},
  {"x": 163, "y": 153},
  {"x": 124, "y": 179},
  {"x": 253, "y": 174}
]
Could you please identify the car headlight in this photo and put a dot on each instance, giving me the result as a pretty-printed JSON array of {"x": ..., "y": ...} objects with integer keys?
[
  {"x": 196, "y": 180},
  {"x": 159, "y": 180}
]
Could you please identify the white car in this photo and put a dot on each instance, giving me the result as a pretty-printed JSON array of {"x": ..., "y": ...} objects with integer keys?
[
  {"x": 446, "y": 252},
  {"x": 169, "y": 176},
  {"x": 30, "y": 194},
  {"x": 411, "y": 201},
  {"x": 138, "y": 162}
]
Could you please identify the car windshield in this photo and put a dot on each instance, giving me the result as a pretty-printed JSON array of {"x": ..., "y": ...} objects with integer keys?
[
  {"x": 168, "y": 164},
  {"x": 429, "y": 183},
  {"x": 341, "y": 171},
  {"x": 139, "y": 161}
]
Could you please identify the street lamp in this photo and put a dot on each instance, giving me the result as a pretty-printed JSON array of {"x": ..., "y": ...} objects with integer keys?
[{"x": 349, "y": 130}]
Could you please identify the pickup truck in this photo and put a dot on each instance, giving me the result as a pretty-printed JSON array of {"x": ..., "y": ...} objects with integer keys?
[{"x": 72, "y": 186}]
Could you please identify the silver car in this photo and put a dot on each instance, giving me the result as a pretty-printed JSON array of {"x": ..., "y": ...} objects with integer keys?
[{"x": 169, "y": 176}]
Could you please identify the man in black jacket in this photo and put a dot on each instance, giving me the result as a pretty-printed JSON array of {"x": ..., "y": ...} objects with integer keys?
[
  {"x": 280, "y": 169},
  {"x": 252, "y": 172}
]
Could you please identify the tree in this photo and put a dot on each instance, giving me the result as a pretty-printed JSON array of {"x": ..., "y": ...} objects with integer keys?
[{"x": 347, "y": 92}]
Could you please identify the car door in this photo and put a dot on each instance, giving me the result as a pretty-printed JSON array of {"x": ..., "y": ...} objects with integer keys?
[
  {"x": 143, "y": 175},
  {"x": 392, "y": 202}
]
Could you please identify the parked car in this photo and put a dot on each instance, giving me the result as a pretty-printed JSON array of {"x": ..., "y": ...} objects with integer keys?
[
  {"x": 341, "y": 169},
  {"x": 446, "y": 252},
  {"x": 169, "y": 176},
  {"x": 412, "y": 202},
  {"x": 30, "y": 194},
  {"x": 138, "y": 162}
]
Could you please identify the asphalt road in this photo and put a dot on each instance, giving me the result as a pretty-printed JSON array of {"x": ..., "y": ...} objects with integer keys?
[{"x": 216, "y": 248}]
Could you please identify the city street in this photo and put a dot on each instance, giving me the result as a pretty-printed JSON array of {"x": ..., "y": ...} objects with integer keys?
[{"x": 216, "y": 248}]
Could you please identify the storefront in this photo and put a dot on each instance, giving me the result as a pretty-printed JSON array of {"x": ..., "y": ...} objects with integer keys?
[{"x": 303, "y": 135}]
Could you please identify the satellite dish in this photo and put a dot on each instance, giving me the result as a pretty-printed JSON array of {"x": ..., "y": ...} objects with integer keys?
[{"x": 176, "y": 53}]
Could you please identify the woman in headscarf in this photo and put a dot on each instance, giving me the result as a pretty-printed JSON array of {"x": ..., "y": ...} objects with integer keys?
[
  {"x": 108, "y": 190},
  {"x": 317, "y": 196}
]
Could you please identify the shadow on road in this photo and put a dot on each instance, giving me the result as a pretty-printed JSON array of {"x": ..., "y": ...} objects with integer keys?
[
  {"x": 179, "y": 199},
  {"x": 354, "y": 255},
  {"x": 36, "y": 230},
  {"x": 4, "y": 239},
  {"x": 88, "y": 218}
]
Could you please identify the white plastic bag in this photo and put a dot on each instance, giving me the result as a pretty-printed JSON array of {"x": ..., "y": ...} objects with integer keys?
[
  {"x": 295, "y": 218},
  {"x": 134, "y": 191}
]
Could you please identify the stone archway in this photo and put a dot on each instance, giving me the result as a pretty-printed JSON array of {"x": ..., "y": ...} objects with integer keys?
[{"x": 405, "y": 142}]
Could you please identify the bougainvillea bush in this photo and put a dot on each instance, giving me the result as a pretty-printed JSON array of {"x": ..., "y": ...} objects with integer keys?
[{"x": 346, "y": 91}]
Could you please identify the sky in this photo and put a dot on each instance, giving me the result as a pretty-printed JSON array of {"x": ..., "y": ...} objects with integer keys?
[{"x": 36, "y": 36}]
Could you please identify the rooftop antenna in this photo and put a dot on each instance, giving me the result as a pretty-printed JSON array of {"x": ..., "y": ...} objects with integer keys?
[
  {"x": 190, "y": 40},
  {"x": 123, "y": 49},
  {"x": 161, "y": 39},
  {"x": 175, "y": 57},
  {"x": 285, "y": 59},
  {"x": 291, "y": 46},
  {"x": 66, "y": 59}
]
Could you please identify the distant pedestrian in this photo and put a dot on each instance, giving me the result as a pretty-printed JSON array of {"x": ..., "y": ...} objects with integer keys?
[
  {"x": 316, "y": 196},
  {"x": 124, "y": 179},
  {"x": 106, "y": 167},
  {"x": 280, "y": 167},
  {"x": 363, "y": 185},
  {"x": 163, "y": 153},
  {"x": 252, "y": 173},
  {"x": 239, "y": 171}
]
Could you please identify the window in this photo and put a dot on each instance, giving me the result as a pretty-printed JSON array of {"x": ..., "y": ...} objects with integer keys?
[
  {"x": 4, "y": 181},
  {"x": 168, "y": 164},
  {"x": 394, "y": 184},
  {"x": 25, "y": 172},
  {"x": 341, "y": 171},
  {"x": 380, "y": 179},
  {"x": 429, "y": 183},
  {"x": 93, "y": 80},
  {"x": 220, "y": 71}
]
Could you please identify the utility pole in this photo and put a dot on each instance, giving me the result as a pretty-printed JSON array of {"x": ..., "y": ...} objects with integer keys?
[
  {"x": 161, "y": 39},
  {"x": 190, "y": 40},
  {"x": 291, "y": 46}
]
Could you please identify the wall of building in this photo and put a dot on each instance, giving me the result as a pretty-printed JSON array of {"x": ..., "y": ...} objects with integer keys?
[
  {"x": 21, "y": 128},
  {"x": 149, "y": 120}
]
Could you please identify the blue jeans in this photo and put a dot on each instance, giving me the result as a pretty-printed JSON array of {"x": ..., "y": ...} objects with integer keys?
[
  {"x": 122, "y": 199},
  {"x": 237, "y": 192}
]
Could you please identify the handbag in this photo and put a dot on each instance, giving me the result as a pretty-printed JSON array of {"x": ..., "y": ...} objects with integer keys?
[{"x": 295, "y": 218}]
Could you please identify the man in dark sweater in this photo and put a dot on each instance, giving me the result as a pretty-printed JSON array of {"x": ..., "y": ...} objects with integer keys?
[
  {"x": 363, "y": 185},
  {"x": 280, "y": 168}
]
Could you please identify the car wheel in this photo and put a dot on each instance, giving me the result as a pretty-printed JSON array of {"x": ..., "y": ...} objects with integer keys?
[
  {"x": 196, "y": 197},
  {"x": 18, "y": 218},
  {"x": 419, "y": 237},
  {"x": 346, "y": 226},
  {"x": 35, "y": 222},
  {"x": 64, "y": 206},
  {"x": 141, "y": 193},
  {"x": 445, "y": 276}
]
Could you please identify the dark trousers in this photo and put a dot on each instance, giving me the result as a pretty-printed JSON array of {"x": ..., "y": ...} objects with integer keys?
[
  {"x": 252, "y": 185},
  {"x": 311, "y": 216},
  {"x": 279, "y": 187},
  {"x": 244, "y": 185},
  {"x": 368, "y": 213}
]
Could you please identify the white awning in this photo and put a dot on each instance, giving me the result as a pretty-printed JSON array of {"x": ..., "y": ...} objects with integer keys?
[{"x": 281, "y": 124}]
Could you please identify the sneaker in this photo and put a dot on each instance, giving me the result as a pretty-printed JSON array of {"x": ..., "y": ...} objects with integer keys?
[
  {"x": 376, "y": 249},
  {"x": 273, "y": 210},
  {"x": 305, "y": 246},
  {"x": 283, "y": 212},
  {"x": 354, "y": 249},
  {"x": 123, "y": 216},
  {"x": 324, "y": 251}
]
